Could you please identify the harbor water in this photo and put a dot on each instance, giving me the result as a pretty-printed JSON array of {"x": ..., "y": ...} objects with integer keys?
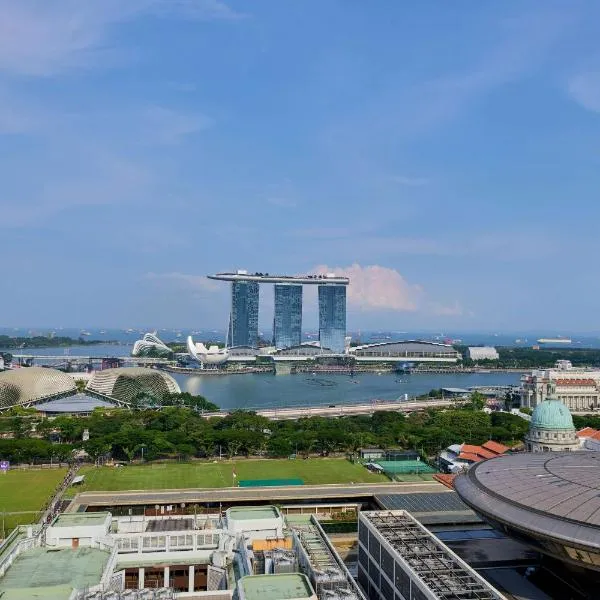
[{"x": 262, "y": 390}]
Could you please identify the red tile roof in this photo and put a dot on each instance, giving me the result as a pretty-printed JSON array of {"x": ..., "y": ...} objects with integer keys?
[
  {"x": 586, "y": 432},
  {"x": 575, "y": 382},
  {"x": 495, "y": 447},
  {"x": 447, "y": 480},
  {"x": 470, "y": 456},
  {"x": 478, "y": 450}
]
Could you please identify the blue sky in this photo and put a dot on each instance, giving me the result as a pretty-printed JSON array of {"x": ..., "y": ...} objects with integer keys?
[{"x": 446, "y": 155}]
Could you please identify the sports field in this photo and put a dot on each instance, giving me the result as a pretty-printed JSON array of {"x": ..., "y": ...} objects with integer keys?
[
  {"x": 27, "y": 490},
  {"x": 214, "y": 475}
]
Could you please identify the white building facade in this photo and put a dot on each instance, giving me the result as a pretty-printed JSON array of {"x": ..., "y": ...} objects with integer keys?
[
  {"x": 483, "y": 353},
  {"x": 577, "y": 389}
]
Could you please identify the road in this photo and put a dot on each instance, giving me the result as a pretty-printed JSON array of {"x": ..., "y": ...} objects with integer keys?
[
  {"x": 265, "y": 494},
  {"x": 341, "y": 410}
]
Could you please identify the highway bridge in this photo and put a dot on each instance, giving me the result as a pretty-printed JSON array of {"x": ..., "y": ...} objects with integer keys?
[{"x": 38, "y": 359}]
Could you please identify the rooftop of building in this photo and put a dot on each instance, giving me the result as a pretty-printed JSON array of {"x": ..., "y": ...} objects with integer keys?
[
  {"x": 438, "y": 567},
  {"x": 472, "y": 453},
  {"x": 555, "y": 494},
  {"x": 52, "y": 573},
  {"x": 248, "y": 513},
  {"x": 580, "y": 381},
  {"x": 328, "y": 278},
  {"x": 286, "y": 586},
  {"x": 589, "y": 432},
  {"x": 411, "y": 344},
  {"x": 422, "y": 502},
  {"x": 551, "y": 414},
  {"x": 78, "y": 403},
  {"x": 28, "y": 385},
  {"x": 87, "y": 519}
]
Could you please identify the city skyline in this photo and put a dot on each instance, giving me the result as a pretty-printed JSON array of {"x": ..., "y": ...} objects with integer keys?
[
  {"x": 445, "y": 160},
  {"x": 287, "y": 308}
]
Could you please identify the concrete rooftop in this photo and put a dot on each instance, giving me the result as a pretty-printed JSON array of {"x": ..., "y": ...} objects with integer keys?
[{"x": 52, "y": 573}]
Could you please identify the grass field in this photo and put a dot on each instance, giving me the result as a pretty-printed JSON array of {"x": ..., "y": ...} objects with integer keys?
[
  {"x": 215, "y": 475},
  {"x": 26, "y": 490}
]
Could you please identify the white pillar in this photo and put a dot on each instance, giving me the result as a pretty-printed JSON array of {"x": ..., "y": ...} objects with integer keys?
[
  {"x": 191, "y": 578},
  {"x": 166, "y": 584},
  {"x": 141, "y": 578}
]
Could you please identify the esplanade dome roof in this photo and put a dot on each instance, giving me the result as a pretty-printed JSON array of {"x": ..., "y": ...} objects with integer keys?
[
  {"x": 125, "y": 383},
  {"x": 552, "y": 414},
  {"x": 27, "y": 385}
]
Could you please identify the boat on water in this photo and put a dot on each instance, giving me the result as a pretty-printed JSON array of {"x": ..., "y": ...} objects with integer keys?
[{"x": 557, "y": 340}]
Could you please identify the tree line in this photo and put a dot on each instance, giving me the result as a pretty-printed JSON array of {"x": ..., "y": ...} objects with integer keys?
[
  {"x": 180, "y": 432},
  {"x": 528, "y": 358}
]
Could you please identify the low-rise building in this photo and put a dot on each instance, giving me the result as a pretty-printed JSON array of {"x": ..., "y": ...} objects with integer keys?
[
  {"x": 321, "y": 563},
  {"x": 406, "y": 351},
  {"x": 482, "y": 353},
  {"x": 458, "y": 457},
  {"x": 292, "y": 586},
  {"x": 577, "y": 389},
  {"x": 255, "y": 522},
  {"x": 400, "y": 559},
  {"x": 371, "y": 453},
  {"x": 589, "y": 439}
]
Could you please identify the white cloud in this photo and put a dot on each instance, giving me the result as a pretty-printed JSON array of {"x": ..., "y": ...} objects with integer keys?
[
  {"x": 584, "y": 88},
  {"x": 44, "y": 37},
  {"x": 167, "y": 126},
  {"x": 375, "y": 288}
]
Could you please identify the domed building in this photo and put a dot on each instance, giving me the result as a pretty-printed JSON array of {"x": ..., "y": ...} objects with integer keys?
[
  {"x": 207, "y": 356},
  {"x": 551, "y": 428},
  {"x": 150, "y": 345},
  {"x": 28, "y": 386},
  {"x": 124, "y": 384}
]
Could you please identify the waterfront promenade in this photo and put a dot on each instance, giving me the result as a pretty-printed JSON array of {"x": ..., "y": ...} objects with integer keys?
[{"x": 345, "y": 410}]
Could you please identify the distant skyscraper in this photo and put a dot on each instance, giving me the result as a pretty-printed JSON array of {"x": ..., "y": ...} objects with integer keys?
[
  {"x": 243, "y": 320},
  {"x": 332, "y": 317},
  {"x": 287, "y": 320}
]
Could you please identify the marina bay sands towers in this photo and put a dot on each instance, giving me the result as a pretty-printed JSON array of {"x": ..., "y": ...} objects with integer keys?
[{"x": 287, "y": 317}]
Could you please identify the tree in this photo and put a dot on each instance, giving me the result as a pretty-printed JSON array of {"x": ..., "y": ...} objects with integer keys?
[
  {"x": 476, "y": 401},
  {"x": 198, "y": 403},
  {"x": 80, "y": 385}
]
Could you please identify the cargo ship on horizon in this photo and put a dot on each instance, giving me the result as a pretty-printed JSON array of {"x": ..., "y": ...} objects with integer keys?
[{"x": 557, "y": 340}]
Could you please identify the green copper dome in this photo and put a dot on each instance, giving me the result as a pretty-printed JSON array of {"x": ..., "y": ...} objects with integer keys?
[{"x": 552, "y": 414}]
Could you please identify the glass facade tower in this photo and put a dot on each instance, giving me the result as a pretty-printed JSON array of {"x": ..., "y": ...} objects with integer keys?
[
  {"x": 243, "y": 320},
  {"x": 287, "y": 319},
  {"x": 332, "y": 317}
]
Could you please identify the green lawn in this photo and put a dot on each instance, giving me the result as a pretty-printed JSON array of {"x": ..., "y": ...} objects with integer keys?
[
  {"x": 26, "y": 490},
  {"x": 215, "y": 475}
]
